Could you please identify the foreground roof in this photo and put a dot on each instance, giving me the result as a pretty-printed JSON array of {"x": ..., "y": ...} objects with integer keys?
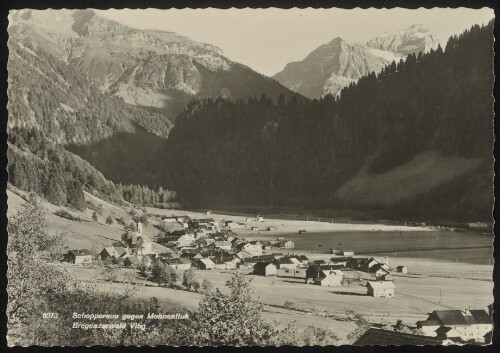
[{"x": 375, "y": 336}]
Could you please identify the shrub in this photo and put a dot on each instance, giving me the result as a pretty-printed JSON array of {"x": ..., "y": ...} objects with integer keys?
[
  {"x": 67, "y": 215},
  {"x": 109, "y": 220}
]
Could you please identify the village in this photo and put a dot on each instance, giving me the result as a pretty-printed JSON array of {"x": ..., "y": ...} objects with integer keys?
[{"x": 204, "y": 245}]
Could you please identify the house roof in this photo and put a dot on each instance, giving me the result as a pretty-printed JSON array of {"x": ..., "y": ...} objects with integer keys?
[
  {"x": 263, "y": 264},
  {"x": 173, "y": 261},
  {"x": 461, "y": 317},
  {"x": 328, "y": 273},
  {"x": 206, "y": 262},
  {"x": 381, "y": 284},
  {"x": 428, "y": 323},
  {"x": 80, "y": 252},
  {"x": 375, "y": 336},
  {"x": 378, "y": 267}
]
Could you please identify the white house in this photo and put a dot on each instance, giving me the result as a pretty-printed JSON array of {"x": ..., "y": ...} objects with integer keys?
[{"x": 381, "y": 289}]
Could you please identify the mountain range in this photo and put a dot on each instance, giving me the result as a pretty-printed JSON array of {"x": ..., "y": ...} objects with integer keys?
[
  {"x": 88, "y": 95},
  {"x": 337, "y": 64},
  {"x": 79, "y": 53}
]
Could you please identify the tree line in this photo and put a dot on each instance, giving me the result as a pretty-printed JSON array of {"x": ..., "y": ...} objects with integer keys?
[{"x": 36, "y": 164}]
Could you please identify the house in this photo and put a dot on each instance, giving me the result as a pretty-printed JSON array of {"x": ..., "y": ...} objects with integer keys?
[
  {"x": 185, "y": 240},
  {"x": 224, "y": 245},
  {"x": 287, "y": 244},
  {"x": 381, "y": 289},
  {"x": 79, "y": 257},
  {"x": 265, "y": 269},
  {"x": 177, "y": 263},
  {"x": 448, "y": 333},
  {"x": 132, "y": 261},
  {"x": 332, "y": 278},
  {"x": 295, "y": 259},
  {"x": 285, "y": 263},
  {"x": 401, "y": 269},
  {"x": 242, "y": 255},
  {"x": 204, "y": 264},
  {"x": 342, "y": 261},
  {"x": 252, "y": 249},
  {"x": 314, "y": 271},
  {"x": 260, "y": 219},
  {"x": 319, "y": 262},
  {"x": 375, "y": 336},
  {"x": 472, "y": 325},
  {"x": 113, "y": 252},
  {"x": 303, "y": 259},
  {"x": 378, "y": 270}
]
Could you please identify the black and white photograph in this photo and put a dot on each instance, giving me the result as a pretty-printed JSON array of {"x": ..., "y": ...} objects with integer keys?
[{"x": 250, "y": 176}]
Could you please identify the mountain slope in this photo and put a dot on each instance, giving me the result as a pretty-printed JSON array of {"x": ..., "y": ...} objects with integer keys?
[
  {"x": 84, "y": 60},
  {"x": 392, "y": 143},
  {"x": 335, "y": 65}
]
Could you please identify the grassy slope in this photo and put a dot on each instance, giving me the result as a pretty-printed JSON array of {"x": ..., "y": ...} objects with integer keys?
[
  {"x": 86, "y": 233},
  {"x": 424, "y": 172}
]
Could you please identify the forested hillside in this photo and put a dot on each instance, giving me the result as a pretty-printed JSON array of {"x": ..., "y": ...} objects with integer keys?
[{"x": 256, "y": 152}]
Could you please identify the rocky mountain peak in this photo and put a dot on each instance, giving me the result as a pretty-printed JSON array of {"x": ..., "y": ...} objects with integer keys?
[{"x": 414, "y": 39}]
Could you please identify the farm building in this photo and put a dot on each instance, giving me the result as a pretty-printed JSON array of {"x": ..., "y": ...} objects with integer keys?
[
  {"x": 264, "y": 269},
  {"x": 205, "y": 264},
  {"x": 295, "y": 273},
  {"x": 113, "y": 252},
  {"x": 470, "y": 324},
  {"x": 381, "y": 289},
  {"x": 79, "y": 257},
  {"x": 402, "y": 269},
  {"x": 132, "y": 261},
  {"x": 332, "y": 278}
]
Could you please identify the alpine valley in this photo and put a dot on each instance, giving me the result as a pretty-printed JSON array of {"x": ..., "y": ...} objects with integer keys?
[{"x": 397, "y": 127}]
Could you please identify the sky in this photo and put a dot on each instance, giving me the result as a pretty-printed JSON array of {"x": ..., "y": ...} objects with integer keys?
[{"x": 267, "y": 39}]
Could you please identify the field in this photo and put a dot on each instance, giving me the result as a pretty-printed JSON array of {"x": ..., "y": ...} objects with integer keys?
[{"x": 328, "y": 307}]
